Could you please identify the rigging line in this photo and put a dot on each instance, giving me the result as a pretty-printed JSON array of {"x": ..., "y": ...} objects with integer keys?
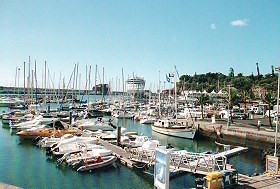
[{"x": 184, "y": 96}]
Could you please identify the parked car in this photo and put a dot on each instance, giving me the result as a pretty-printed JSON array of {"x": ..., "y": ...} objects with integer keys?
[{"x": 239, "y": 115}]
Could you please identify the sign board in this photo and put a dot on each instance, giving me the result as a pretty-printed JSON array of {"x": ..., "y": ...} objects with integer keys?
[
  {"x": 161, "y": 172},
  {"x": 272, "y": 164}
]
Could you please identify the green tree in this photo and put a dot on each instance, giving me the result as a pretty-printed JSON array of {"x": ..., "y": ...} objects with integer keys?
[{"x": 244, "y": 97}]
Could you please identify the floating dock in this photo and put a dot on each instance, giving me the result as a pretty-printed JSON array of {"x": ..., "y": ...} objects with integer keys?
[
  {"x": 184, "y": 161},
  {"x": 199, "y": 163}
]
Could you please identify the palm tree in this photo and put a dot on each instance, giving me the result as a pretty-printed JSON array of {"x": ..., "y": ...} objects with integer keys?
[
  {"x": 244, "y": 97},
  {"x": 269, "y": 100},
  {"x": 202, "y": 99}
]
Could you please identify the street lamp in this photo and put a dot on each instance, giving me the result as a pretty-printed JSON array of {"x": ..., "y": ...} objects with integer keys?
[
  {"x": 277, "y": 118},
  {"x": 229, "y": 112}
]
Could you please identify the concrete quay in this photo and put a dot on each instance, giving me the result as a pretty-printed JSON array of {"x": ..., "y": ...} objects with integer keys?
[{"x": 240, "y": 130}]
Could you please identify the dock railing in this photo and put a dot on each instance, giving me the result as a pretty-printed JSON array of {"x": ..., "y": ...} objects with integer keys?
[{"x": 193, "y": 161}]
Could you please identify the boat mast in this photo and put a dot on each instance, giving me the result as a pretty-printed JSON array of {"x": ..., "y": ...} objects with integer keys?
[
  {"x": 59, "y": 88},
  {"x": 24, "y": 83},
  {"x": 175, "y": 94},
  {"x": 88, "y": 85},
  {"x": 15, "y": 81},
  {"x": 77, "y": 70},
  {"x": 103, "y": 98},
  {"x": 36, "y": 86},
  {"x": 45, "y": 82},
  {"x": 73, "y": 88},
  {"x": 159, "y": 110},
  {"x": 28, "y": 80},
  {"x": 95, "y": 78}
]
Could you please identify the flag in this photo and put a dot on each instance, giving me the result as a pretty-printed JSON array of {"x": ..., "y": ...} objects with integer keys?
[
  {"x": 167, "y": 79},
  {"x": 171, "y": 74}
]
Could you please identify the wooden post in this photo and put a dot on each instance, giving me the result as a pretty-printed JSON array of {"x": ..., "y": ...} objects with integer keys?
[
  {"x": 119, "y": 135},
  {"x": 70, "y": 117}
]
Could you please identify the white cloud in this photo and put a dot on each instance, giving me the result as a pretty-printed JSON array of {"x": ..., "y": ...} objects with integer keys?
[
  {"x": 213, "y": 26},
  {"x": 243, "y": 22}
]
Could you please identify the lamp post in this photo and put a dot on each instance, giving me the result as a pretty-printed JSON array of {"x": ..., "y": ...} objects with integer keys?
[
  {"x": 229, "y": 112},
  {"x": 277, "y": 118}
]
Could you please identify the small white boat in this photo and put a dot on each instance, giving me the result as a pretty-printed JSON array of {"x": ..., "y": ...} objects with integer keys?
[
  {"x": 97, "y": 162},
  {"x": 72, "y": 159},
  {"x": 5, "y": 102},
  {"x": 95, "y": 124},
  {"x": 139, "y": 141},
  {"x": 73, "y": 147},
  {"x": 123, "y": 114},
  {"x": 148, "y": 120},
  {"x": 49, "y": 141},
  {"x": 36, "y": 122},
  {"x": 74, "y": 144}
]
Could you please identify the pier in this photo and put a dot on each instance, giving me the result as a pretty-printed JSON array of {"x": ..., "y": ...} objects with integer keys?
[
  {"x": 195, "y": 163},
  {"x": 182, "y": 160},
  {"x": 258, "y": 181}
]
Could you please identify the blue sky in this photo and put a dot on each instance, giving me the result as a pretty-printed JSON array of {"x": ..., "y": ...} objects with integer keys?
[{"x": 143, "y": 37}]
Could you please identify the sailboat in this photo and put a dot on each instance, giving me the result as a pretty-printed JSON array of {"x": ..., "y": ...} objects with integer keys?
[{"x": 174, "y": 127}]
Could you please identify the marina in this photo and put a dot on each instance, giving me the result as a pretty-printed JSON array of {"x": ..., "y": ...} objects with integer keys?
[
  {"x": 139, "y": 94},
  {"x": 183, "y": 176}
]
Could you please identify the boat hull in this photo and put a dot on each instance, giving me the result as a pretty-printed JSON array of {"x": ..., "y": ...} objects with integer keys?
[
  {"x": 182, "y": 133},
  {"x": 109, "y": 160}
]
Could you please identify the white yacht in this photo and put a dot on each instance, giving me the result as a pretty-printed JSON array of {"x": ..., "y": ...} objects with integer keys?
[{"x": 135, "y": 85}]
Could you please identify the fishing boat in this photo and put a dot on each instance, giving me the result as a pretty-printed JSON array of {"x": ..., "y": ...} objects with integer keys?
[
  {"x": 97, "y": 162},
  {"x": 173, "y": 128}
]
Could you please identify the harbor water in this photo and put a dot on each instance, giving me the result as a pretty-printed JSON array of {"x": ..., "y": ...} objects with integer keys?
[{"x": 25, "y": 165}]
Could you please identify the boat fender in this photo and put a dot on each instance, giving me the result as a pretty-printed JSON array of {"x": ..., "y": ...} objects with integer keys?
[
  {"x": 98, "y": 159},
  {"x": 86, "y": 163},
  {"x": 81, "y": 128}
]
